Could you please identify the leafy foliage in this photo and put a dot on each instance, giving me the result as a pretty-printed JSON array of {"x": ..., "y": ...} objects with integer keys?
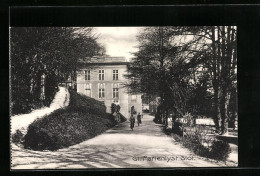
[
  {"x": 83, "y": 119},
  {"x": 49, "y": 51},
  {"x": 197, "y": 140},
  {"x": 17, "y": 137},
  {"x": 122, "y": 118},
  {"x": 115, "y": 113},
  {"x": 192, "y": 69},
  {"x": 85, "y": 104},
  {"x": 113, "y": 108},
  {"x": 220, "y": 150}
]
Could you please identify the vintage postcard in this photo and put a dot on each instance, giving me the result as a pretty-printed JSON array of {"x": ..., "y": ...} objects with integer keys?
[{"x": 123, "y": 97}]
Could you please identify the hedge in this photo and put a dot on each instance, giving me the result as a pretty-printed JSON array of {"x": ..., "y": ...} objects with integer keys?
[{"x": 83, "y": 119}]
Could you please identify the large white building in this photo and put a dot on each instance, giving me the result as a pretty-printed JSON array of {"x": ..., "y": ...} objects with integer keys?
[{"x": 102, "y": 78}]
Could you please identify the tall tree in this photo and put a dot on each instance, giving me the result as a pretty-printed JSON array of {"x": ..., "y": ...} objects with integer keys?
[
  {"x": 221, "y": 64},
  {"x": 45, "y": 56},
  {"x": 156, "y": 69},
  {"x": 227, "y": 71},
  {"x": 178, "y": 63}
]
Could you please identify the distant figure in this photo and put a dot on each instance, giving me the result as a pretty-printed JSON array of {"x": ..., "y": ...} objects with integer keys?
[
  {"x": 132, "y": 122},
  {"x": 133, "y": 111},
  {"x": 139, "y": 119},
  {"x": 132, "y": 117}
]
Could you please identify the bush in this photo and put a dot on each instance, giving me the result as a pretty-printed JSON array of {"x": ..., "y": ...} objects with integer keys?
[
  {"x": 194, "y": 139},
  {"x": 83, "y": 103},
  {"x": 113, "y": 108},
  {"x": 167, "y": 131},
  {"x": 220, "y": 150},
  {"x": 188, "y": 119},
  {"x": 24, "y": 106},
  {"x": 17, "y": 137},
  {"x": 122, "y": 118},
  {"x": 196, "y": 146},
  {"x": 27, "y": 103},
  {"x": 118, "y": 108},
  {"x": 115, "y": 113},
  {"x": 177, "y": 128},
  {"x": 83, "y": 119},
  {"x": 157, "y": 118}
]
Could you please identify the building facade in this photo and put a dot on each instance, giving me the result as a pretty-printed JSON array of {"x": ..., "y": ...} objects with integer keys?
[{"x": 102, "y": 78}]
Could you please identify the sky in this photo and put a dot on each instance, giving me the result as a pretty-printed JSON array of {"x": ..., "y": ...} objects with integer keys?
[{"x": 118, "y": 41}]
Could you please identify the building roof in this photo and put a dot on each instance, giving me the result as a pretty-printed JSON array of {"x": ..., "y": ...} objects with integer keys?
[{"x": 104, "y": 60}]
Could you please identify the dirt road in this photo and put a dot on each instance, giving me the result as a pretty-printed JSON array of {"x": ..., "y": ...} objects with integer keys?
[{"x": 120, "y": 147}]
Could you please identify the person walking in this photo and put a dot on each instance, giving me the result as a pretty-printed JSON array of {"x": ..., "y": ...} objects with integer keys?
[
  {"x": 139, "y": 119},
  {"x": 132, "y": 122},
  {"x": 132, "y": 117}
]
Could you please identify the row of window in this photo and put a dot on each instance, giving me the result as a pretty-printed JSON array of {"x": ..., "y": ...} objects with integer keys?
[
  {"x": 101, "y": 93},
  {"x": 101, "y": 74},
  {"x": 101, "y": 90}
]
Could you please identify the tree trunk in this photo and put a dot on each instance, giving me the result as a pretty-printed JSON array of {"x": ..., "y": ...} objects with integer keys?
[
  {"x": 216, "y": 108},
  {"x": 215, "y": 81},
  {"x": 224, "y": 102},
  {"x": 225, "y": 78},
  {"x": 232, "y": 108}
]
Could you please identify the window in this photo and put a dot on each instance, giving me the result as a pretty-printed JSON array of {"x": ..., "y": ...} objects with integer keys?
[
  {"x": 88, "y": 89},
  {"x": 115, "y": 91},
  {"x": 115, "y": 74},
  {"x": 87, "y": 74},
  {"x": 133, "y": 98},
  {"x": 101, "y": 91},
  {"x": 101, "y": 74}
]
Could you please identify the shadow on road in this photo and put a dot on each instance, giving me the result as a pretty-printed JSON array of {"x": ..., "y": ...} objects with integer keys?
[{"x": 116, "y": 148}]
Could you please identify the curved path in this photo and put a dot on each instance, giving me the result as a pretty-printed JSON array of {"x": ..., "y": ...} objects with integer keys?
[
  {"x": 145, "y": 147},
  {"x": 22, "y": 121}
]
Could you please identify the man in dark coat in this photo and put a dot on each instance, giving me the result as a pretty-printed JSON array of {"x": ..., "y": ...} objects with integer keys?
[{"x": 139, "y": 118}]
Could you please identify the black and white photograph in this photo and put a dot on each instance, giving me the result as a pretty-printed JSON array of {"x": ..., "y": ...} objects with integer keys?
[{"x": 123, "y": 97}]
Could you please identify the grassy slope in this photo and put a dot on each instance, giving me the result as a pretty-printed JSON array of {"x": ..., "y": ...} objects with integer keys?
[{"x": 83, "y": 119}]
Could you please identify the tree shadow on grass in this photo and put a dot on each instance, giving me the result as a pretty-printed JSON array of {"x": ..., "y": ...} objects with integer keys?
[{"x": 92, "y": 157}]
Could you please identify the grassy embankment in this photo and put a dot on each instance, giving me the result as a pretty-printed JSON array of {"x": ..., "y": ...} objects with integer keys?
[{"x": 83, "y": 119}]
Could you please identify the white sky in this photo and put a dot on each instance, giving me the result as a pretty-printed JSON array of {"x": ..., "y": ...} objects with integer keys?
[{"x": 118, "y": 41}]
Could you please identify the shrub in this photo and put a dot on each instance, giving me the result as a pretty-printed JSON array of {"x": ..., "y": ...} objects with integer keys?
[
  {"x": 83, "y": 119},
  {"x": 196, "y": 146},
  {"x": 83, "y": 103},
  {"x": 157, "y": 118},
  {"x": 64, "y": 129},
  {"x": 118, "y": 108},
  {"x": 113, "y": 108},
  {"x": 17, "y": 137},
  {"x": 24, "y": 105},
  {"x": 27, "y": 103},
  {"x": 167, "y": 131},
  {"x": 220, "y": 150},
  {"x": 188, "y": 119},
  {"x": 177, "y": 128},
  {"x": 122, "y": 118},
  {"x": 196, "y": 140},
  {"x": 115, "y": 113}
]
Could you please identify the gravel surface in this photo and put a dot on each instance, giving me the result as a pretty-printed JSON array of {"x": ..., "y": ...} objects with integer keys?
[{"x": 120, "y": 147}]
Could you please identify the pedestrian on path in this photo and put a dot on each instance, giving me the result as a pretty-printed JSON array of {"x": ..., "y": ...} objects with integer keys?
[
  {"x": 132, "y": 117},
  {"x": 139, "y": 119},
  {"x": 132, "y": 122}
]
